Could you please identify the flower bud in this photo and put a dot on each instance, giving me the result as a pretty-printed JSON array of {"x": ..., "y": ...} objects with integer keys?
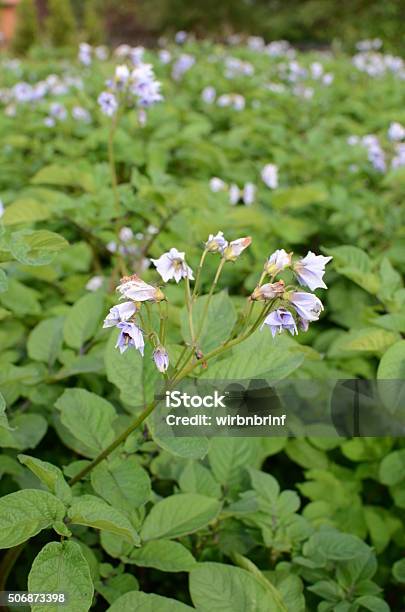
[
  {"x": 269, "y": 291},
  {"x": 134, "y": 288},
  {"x": 235, "y": 248},
  {"x": 279, "y": 260},
  {"x": 216, "y": 243},
  {"x": 161, "y": 358}
]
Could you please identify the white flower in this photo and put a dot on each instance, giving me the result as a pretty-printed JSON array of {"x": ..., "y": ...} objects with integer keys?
[
  {"x": 208, "y": 94},
  {"x": 236, "y": 247},
  {"x": 165, "y": 56},
  {"x": 152, "y": 229},
  {"x": 217, "y": 184},
  {"x": 396, "y": 131},
  {"x": 269, "y": 176},
  {"x": 216, "y": 243},
  {"x": 1, "y": 208},
  {"x": 134, "y": 288},
  {"x": 249, "y": 193},
  {"x": 121, "y": 76},
  {"x": 316, "y": 70},
  {"x": 119, "y": 313},
  {"x": 310, "y": 270},
  {"x": 94, "y": 283},
  {"x": 234, "y": 194},
  {"x": 111, "y": 246},
  {"x": 172, "y": 265},
  {"x": 277, "y": 261},
  {"x": 81, "y": 114},
  {"x": 126, "y": 234},
  {"x": 180, "y": 37}
]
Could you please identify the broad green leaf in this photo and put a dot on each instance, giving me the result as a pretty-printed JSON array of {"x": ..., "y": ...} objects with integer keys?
[
  {"x": 392, "y": 468},
  {"x": 229, "y": 457},
  {"x": 179, "y": 515},
  {"x": 122, "y": 482},
  {"x": 195, "y": 478},
  {"x": 398, "y": 570},
  {"x": 94, "y": 512},
  {"x": 25, "y": 210},
  {"x": 219, "y": 321},
  {"x": 368, "y": 340},
  {"x": 3, "y": 281},
  {"x": 297, "y": 197},
  {"x": 391, "y": 374},
  {"x": 25, "y": 513},
  {"x": 36, "y": 248},
  {"x": 45, "y": 340},
  {"x": 83, "y": 319},
  {"x": 3, "y": 416},
  {"x": 261, "y": 354},
  {"x": 373, "y": 603},
  {"x": 332, "y": 545},
  {"x": 20, "y": 299},
  {"x": 164, "y": 555},
  {"x": 115, "y": 586},
  {"x": 354, "y": 263},
  {"x": 50, "y": 475},
  {"x": 216, "y": 587},
  {"x": 24, "y": 431},
  {"x": 60, "y": 567},
  {"x": 89, "y": 418},
  {"x": 136, "y": 601},
  {"x": 187, "y": 447},
  {"x": 136, "y": 377},
  {"x": 66, "y": 176}
]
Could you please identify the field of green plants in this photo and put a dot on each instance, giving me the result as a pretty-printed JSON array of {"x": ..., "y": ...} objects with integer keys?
[{"x": 186, "y": 177}]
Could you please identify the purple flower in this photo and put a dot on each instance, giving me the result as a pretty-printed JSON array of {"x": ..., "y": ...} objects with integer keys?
[
  {"x": 130, "y": 335},
  {"x": 217, "y": 184},
  {"x": 277, "y": 261},
  {"x": 249, "y": 193},
  {"x": 307, "y": 305},
  {"x": 119, "y": 313},
  {"x": 279, "y": 320},
  {"x": 161, "y": 358},
  {"x": 172, "y": 265},
  {"x": 234, "y": 194},
  {"x": 310, "y": 270},
  {"x": 108, "y": 103},
  {"x": 269, "y": 176}
]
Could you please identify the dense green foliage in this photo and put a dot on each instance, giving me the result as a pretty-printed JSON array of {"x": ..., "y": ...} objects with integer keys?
[
  {"x": 61, "y": 24},
  {"x": 227, "y": 524},
  {"x": 26, "y": 34}
]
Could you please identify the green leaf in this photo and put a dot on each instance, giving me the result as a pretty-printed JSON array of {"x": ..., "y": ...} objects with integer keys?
[
  {"x": 65, "y": 176},
  {"x": 392, "y": 468},
  {"x": 298, "y": 197},
  {"x": 3, "y": 281},
  {"x": 122, "y": 482},
  {"x": 354, "y": 263},
  {"x": 50, "y": 475},
  {"x": 195, "y": 478},
  {"x": 216, "y": 587},
  {"x": 229, "y": 457},
  {"x": 372, "y": 603},
  {"x": 219, "y": 322},
  {"x": 62, "y": 568},
  {"x": 94, "y": 512},
  {"x": 368, "y": 340},
  {"x": 25, "y": 210},
  {"x": 116, "y": 586},
  {"x": 398, "y": 570},
  {"x": 20, "y": 299},
  {"x": 259, "y": 355},
  {"x": 164, "y": 555},
  {"x": 25, "y": 431},
  {"x": 89, "y": 418},
  {"x": 45, "y": 340},
  {"x": 178, "y": 515},
  {"x": 36, "y": 248},
  {"x": 332, "y": 545},
  {"x": 136, "y": 601},
  {"x": 391, "y": 374},
  {"x": 82, "y": 320},
  {"x": 25, "y": 513}
]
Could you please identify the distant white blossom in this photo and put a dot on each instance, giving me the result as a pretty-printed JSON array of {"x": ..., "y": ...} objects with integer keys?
[{"x": 269, "y": 176}]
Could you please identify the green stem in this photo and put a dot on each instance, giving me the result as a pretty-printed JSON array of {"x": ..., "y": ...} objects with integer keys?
[
  {"x": 120, "y": 265},
  {"x": 210, "y": 294},
  {"x": 189, "y": 306},
  {"x": 121, "y": 438},
  {"x": 198, "y": 275}
]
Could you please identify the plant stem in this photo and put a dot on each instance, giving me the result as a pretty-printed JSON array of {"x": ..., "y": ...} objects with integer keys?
[
  {"x": 210, "y": 294},
  {"x": 114, "y": 182},
  {"x": 198, "y": 275},
  {"x": 121, "y": 438},
  {"x": 189, "y": 306}
]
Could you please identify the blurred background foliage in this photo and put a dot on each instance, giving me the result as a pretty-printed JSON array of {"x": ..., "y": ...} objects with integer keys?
[{"x": 303, "y": 22}]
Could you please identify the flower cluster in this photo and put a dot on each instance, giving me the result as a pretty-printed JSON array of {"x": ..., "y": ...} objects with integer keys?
[
  {"x": 284, "y": 307},
  {"x": 377, "y": 64},
  {"x": 375, "y": 152},
  {"x": 132, "y": 87},
  {"x": 246, "y": 194}
]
